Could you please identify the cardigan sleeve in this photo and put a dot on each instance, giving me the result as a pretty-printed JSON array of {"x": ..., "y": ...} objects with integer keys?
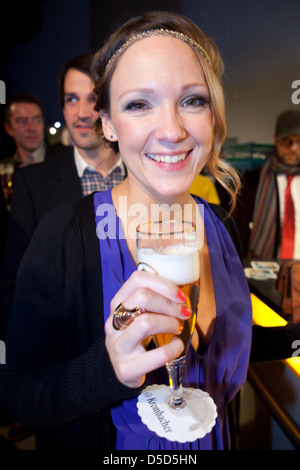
[{"x": 54, "y": 372}]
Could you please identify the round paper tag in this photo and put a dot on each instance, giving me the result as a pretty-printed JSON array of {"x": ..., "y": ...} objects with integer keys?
[{"x": 183, "y": 425}]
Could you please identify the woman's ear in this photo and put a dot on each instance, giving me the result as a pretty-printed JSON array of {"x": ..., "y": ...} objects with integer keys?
[{"x": 107, "y": 127}]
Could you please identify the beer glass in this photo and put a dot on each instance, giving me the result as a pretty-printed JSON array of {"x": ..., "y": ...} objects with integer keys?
[{"x": 170, "y": 249}]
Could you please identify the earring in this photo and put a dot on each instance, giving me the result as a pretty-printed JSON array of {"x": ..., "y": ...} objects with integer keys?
[{"x": 111, "y": 136}]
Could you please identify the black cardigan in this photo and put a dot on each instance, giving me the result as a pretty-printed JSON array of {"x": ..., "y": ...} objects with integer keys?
[{"x": 73, "y": 351}]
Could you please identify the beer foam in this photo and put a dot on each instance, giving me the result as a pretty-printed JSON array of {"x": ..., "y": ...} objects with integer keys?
[{"x": 178, "y": 263}]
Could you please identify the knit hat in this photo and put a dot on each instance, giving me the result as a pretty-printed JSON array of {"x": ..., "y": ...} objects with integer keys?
[{"x": 288, "y": 123}]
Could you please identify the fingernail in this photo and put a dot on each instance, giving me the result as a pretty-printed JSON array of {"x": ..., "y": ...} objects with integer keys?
[
  {"x": 187, "y": 312},
  {"x": 181, "y": 295}
]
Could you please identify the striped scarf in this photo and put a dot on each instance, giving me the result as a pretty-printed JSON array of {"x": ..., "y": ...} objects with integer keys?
[{"x": 262, "y": 243}]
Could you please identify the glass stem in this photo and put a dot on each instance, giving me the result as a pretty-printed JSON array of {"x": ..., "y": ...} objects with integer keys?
[{"x": 175, "y": 371}]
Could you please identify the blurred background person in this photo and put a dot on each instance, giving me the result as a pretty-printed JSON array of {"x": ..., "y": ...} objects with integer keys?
[
  {"x": 268, "y": 210},
  {"x": 24, "y": 122}
]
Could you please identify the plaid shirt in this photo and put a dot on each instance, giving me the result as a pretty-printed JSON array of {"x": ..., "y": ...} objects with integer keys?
[{"x": 93, "y": 181}]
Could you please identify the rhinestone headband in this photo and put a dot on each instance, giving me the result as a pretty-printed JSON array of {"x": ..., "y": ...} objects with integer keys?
[{"x": 163, "y": 32}]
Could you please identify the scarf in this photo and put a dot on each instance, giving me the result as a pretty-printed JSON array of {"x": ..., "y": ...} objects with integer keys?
[{"x": 262, "y": 242}]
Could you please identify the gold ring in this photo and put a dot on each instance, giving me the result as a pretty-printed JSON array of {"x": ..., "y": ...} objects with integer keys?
[{"x": 122, "y": 317}]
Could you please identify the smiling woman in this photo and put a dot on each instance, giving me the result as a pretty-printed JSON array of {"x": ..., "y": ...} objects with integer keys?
[
  {"x": 69, "y": 370},
  {"x": 199, "y": 47},
  {"x": 160, "y": 116}
]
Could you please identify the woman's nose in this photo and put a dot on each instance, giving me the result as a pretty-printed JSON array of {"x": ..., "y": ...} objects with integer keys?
[{"x": 170, "y": 126}]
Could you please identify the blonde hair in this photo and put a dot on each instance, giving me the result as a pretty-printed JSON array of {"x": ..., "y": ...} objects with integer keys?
[{"x": 106, "y": 58}]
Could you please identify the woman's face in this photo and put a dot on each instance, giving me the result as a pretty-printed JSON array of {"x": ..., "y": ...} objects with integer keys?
[{"x": 160, "y": 115}]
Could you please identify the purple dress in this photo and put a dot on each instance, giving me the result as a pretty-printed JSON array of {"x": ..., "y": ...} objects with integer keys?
[{"x": 222, "y": 369}]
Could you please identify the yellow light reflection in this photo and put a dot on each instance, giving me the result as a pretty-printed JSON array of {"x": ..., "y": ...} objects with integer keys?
[{"x": 265, "y": 316}]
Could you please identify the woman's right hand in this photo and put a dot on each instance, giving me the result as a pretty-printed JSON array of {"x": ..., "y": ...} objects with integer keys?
[{"x": 162, "y": 304}]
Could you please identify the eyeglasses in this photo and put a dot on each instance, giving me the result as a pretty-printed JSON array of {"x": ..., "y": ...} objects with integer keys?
[{"x": 289, "y": 141}]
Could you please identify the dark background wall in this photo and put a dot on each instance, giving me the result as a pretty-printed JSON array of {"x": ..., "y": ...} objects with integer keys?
[
  {"x": 260, "y": 43},
  {"x": 259, "y": 40}
]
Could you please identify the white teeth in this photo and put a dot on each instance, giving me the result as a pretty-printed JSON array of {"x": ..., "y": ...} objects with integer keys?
[{"x": 167, "y": 158}]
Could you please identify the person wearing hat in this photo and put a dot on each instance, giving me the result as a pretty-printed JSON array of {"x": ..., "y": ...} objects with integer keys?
[{"x": 268, "y": 211}]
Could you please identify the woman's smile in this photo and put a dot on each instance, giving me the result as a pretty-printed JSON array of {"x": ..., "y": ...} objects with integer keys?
[{"x": 168, "y": 159}]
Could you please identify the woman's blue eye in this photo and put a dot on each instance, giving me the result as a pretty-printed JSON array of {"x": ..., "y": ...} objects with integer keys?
[
  {"x": 136, "y": 105},
  {"x": 195, "y": 101}
]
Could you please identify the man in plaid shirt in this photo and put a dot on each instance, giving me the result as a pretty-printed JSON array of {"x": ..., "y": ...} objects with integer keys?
[{"x": 98, "y": 166}]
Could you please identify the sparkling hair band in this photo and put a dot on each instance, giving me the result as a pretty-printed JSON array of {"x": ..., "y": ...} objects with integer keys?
[{"x": 163, "y": 32}]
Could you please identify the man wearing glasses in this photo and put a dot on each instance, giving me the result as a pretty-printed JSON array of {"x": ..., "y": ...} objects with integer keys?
[{"x": 268, "y": 212}]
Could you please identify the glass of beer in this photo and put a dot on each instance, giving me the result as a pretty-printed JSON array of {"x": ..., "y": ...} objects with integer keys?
[{"x": 170, "y": 249}]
